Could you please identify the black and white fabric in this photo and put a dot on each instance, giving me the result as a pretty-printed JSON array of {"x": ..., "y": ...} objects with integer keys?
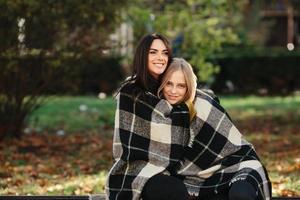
[
  {"x": 218, "y": 155},
  {"x": 149, "y": 138}
]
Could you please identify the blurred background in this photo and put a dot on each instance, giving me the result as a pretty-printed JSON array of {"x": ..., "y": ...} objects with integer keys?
[{"x": 61, "y": 62}]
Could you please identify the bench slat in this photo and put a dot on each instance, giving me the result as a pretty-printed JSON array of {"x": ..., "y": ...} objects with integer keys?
[
  {"x": 91, "y": 197},
  {"x": 84, "y": 197}
]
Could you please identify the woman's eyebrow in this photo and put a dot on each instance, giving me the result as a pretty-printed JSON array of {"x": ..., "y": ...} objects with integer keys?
[{"x": 157, "y": 49}]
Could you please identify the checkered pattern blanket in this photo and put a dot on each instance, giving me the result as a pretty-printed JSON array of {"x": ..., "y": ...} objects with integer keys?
[
  {"x": 218, "y": 155},
  {"x": 149, "y": 139},
  {"x": 152, "y": 137}
]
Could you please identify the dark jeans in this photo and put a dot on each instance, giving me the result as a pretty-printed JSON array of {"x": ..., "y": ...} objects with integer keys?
[
  {"x": 240, "y": 190},
  {"x": 163, "y": 187}
]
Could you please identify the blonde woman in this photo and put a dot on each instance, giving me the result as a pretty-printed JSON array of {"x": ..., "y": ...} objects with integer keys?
[{"x": 218, "y": 162}]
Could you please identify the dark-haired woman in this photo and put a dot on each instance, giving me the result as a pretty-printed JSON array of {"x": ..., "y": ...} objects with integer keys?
[{"x": 149, "y": 135}]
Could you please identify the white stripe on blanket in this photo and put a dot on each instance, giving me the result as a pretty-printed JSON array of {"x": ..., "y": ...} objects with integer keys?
[
  {"x": 253, "y": 164},
  {"x": 150, "y": 170},
  {"x": 205, "y": 107},
  {"x": 160, "y": 133},
  {"x": 232, "y": 137},
  {"x": 208, "y": 172}
]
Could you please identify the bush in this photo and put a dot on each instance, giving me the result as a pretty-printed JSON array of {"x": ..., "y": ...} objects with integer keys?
[
  {"x": 22, "y": 80},
  {"x": 85, "y": 76},
  {"x": 99, "y": 75},
  {"x": 265, "y": 71}
]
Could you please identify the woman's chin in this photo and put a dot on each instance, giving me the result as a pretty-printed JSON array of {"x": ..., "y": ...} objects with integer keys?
[{"x": 173, "y": 102}]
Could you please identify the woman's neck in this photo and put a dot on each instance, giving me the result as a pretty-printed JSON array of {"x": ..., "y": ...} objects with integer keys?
[{"x": 153, "y": 84}]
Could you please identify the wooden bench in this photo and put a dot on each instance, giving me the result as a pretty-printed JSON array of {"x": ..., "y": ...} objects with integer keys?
[
  {"x": 90, "y": 197},
  {"x": 49, "y": 197}
]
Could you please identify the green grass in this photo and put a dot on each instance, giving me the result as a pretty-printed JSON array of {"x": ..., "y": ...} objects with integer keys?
[
  {"x": 63, "y": 113},
  {"x": 256, "y": 102},
  {"x": 254, "y": 106}
]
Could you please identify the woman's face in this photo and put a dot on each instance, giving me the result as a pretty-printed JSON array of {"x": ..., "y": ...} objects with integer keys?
[
  {"x": 157, "y": 58},
  {"x": 175, "y": 88}
]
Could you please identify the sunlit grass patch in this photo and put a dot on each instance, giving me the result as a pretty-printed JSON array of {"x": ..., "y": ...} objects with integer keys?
[
  {"x": 82, "y": 184},
  {"x": 75, "y": 185},
  {"x": 73, "y": 114},
  {"x": 254, "y": 106},
  {"x": 284, "y": 185}
]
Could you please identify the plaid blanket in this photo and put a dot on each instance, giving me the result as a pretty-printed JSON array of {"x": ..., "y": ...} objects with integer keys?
[
  {"x": 150, "y": 136},
  {"x": 217, "y": 154}
]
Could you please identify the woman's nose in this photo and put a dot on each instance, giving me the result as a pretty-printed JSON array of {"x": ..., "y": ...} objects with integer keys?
[
  {"x": 160, "y": 56},
  {"x": 173, "y": 90}
]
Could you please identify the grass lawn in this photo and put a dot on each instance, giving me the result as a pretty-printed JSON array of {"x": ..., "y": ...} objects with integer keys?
[
  {"x": 68, "y": 146},
  {"x": 73, "y": 114}
]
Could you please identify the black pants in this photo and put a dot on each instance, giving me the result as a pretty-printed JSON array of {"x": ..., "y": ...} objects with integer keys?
[
  {"x": 240, "y": 190},
  {"x": 163, "y": 187}
]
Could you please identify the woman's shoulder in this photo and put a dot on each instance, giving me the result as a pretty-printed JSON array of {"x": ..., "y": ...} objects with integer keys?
[
  {"x": 206, "y": 97},
  {"x": 129, "y": 86},
  {"x": 207, "y": 94}
]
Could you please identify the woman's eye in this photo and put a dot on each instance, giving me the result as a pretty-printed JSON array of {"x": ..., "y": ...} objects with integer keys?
[
  {"x": 169, "y": 84},
  {"x": 182, "y": 86},
  {"x": 152, "y": 52}
]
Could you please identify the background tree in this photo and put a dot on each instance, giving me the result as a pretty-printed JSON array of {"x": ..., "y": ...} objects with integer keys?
[
  {"x": 37, "y": 39},
  {"x": 198, "y": 28}
]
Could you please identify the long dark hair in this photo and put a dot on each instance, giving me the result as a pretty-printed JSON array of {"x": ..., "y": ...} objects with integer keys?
[{"x": 140, "y": 61}]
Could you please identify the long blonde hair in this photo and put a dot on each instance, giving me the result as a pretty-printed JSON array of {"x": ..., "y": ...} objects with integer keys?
[{"x": 180, "y": 64}]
